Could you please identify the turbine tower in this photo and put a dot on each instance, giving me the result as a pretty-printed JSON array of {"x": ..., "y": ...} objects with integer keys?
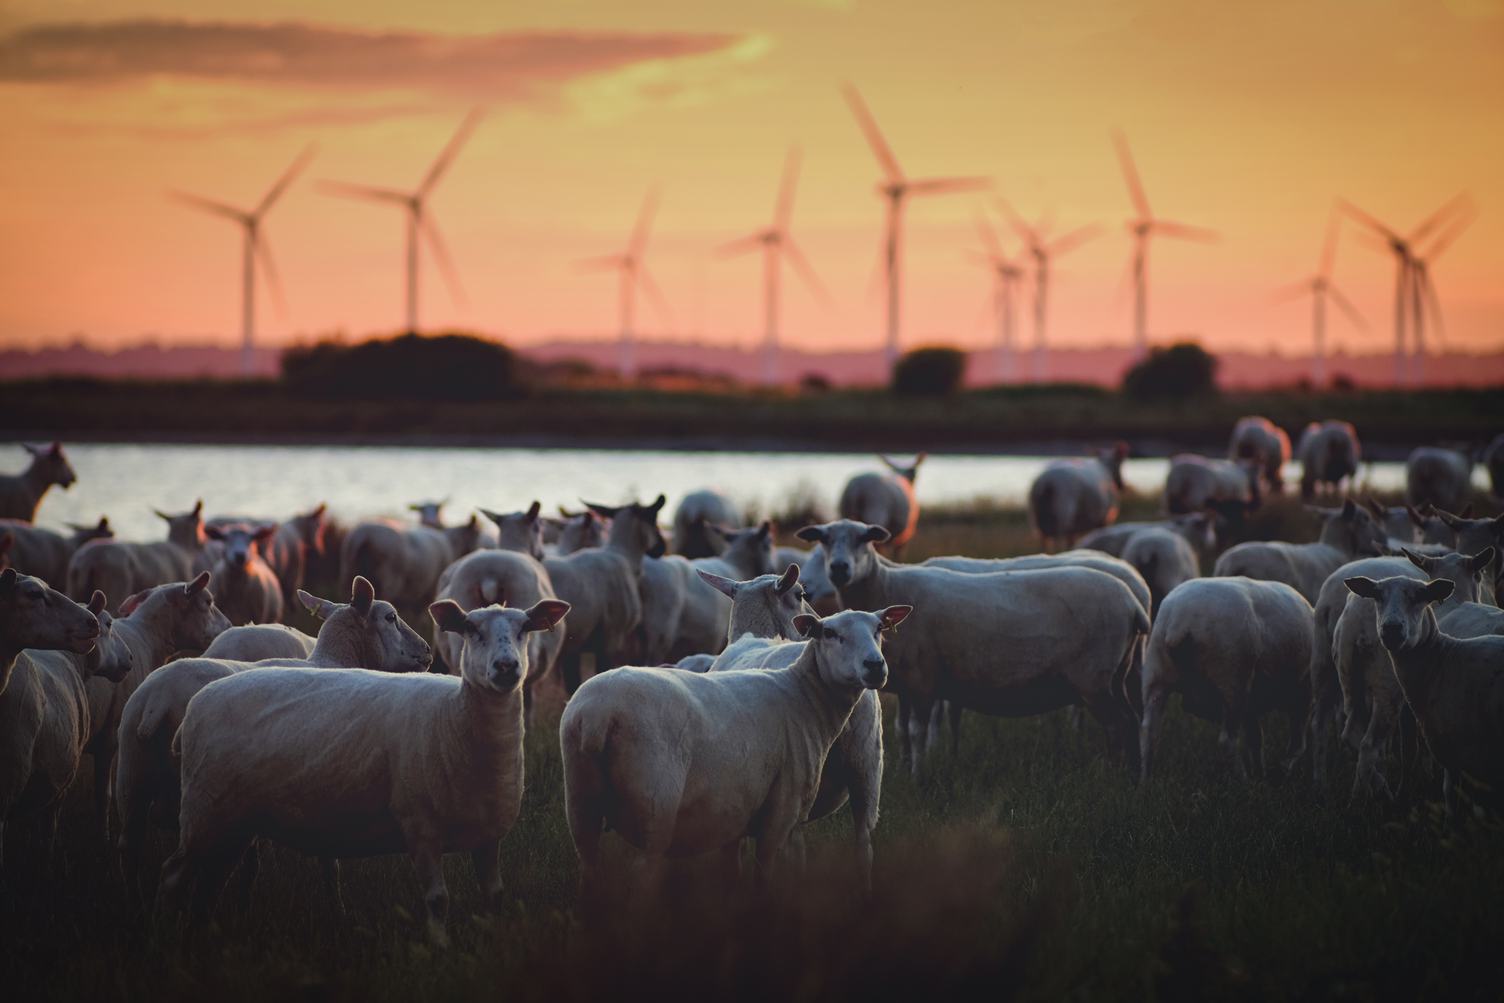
[
  {"x": 1320, "y": 287},
  {"x": 1144, "y": 226},
  {"x": 895, "y": 188},
  {"x": 1423, "y": 292},
  {"x": 633, "y": 273},
  {"x": 1043, "y": 250},
  {"x": 775, "y": 242},
  {"x": 1005, "y": 278},
  {"x": 419, "y": 219},
  {"x": 254, "y": 247}
]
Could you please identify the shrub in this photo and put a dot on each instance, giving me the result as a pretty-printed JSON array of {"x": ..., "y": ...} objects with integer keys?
[
  {"x": 929, "y": 372},
  {"x": 456, "y": 367},
  {"x": 1179, "y": 371}
]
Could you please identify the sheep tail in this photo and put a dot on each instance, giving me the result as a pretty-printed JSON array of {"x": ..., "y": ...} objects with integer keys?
[{"x": 151, "y": 721}]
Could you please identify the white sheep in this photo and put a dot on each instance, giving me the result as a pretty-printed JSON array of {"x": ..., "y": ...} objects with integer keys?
[
  {"x": 885, "y": 500},
  {"x": 256, "y": 641},
  {"x": 705, "y": 612},
  {"x": 1259, "y": 440},
  {"x": 1072, "y": 497},
  {"x": 1404, "y": 525},
  {"x": 246, "y": 587},
  {"x": 694, "y": 521},
  {"x": 519, "y": 531},
  {"x": 43, "y": 553},
  {"x": 814, "y": 576},
  {"x": 580, "y": 531},
  {"x": 353, "y": 763},
  {"x": 290, "y": 548},
  {"x": 20, "y": 494},
  {"x": 1196, "y": 483},
  {"x": 429, "y": 513},
  {"x": 1235, "y": 649},
  {"x": 1346, "y": 533},
  {"x": 1165, "y": 560},
  {"x": 679, "y": 764},
  {"x": 1439, "y": 477},
  {"x": 403, "y": 561},
  {"x": 1493, "y": 459},
  {"x": 1198, "y": 528},
  {"x": 1328, "y": 452},
  {"x": 119, "y": 568}
]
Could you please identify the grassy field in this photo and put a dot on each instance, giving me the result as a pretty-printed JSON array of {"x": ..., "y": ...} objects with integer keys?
[{"x": 1024, "y": 866}]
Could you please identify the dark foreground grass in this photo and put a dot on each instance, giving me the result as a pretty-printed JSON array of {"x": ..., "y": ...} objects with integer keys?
[{"x": 1025, "y": 865}]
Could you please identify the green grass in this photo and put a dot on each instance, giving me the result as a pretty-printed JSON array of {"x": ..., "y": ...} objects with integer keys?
[{"x": 1025, "y": 865}]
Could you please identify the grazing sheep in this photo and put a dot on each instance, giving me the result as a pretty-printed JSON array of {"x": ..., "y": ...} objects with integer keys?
[
  {"x": 1013, "y": 643},
  {"x": 602, "y": 587},
  {"x": 1328, "y": 452},
  {"x": 45, "y": 554},
  {"x": 353, "y": 763},
  {"x": 1195, "y": 483},
  {"x": 20, "y": 494},
  {"x": 885, "y": 500},
  {"x": 1493, "y": 459},
  {"x": 694, "y": 519},
  {"x": 257, "y": 641},
  {"x": 1165, "y": 560},
  {"x": 1071, "y": 497},
  {"x": 1371, "y": 697},
  {"x": 1198, "y": 528},
  {"x": 403, "y": 561},
  {"x": 1265, "y": 444},
  {"x": 580, "y": 531},
  {"x": 1439, "y": 477},
  {"x": 519, "y": 531},
  {"x": 1455, "y": 686},
  {"x": 43, "y": 712},
  {"x": 248, "y": 589},
  {"x": 365, "y": 634},
  {"x": 680, "y": 764},
  {"x": 1346, "y": 533},
  {"x": 1235, "y": 649},
  {"x": 120, "y": 569}
]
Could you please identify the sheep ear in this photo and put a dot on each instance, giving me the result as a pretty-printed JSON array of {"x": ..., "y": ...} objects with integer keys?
[
  {"x": 1415, "y": 517},
  {"x": 604, "y": 511},
  {"x": 198, "y": 508},
  {"x": 811, "y": 534},
  {"x": 533, "y": 510},
  {"x": 765, "y": 529},
  {"x": 448, "y": 616},
  {"x": 724, "y": 586},
  {"x": 33, "y": 450},
  {"x": 264, "y": 533},
  {"x": 320, "y": 608},
  {"x": 362, "y": 595},
  {"x": 658, "y": 504},
  {"x": 893, "y": 616},
  {"x": 1349, "y": 510},
  {"x": 1438, "y": 590},
  {"x": 1483, "y": 559},
  {"x": 809, "y": 626},
  {"x": 1365, "y": 587},
  {"x": 97, "y": 603},
  {"x": 566, "y": 513},
  {"x": 876, "y": 534},
  {"x": 197, "y": 585},
  {"x": 129, "y": 606},
  {"x": 789, "y": 580},
  {"x": 1374, "y": 507},
  {"x": 495, "y": 517},
  {"x": 214, "y": 532},
  {"x": 545, "y": 613},
  {"x": 56, "y": 449},
  {"x": 161, "y": 515},
  {"x": 1415, "y": 559}
]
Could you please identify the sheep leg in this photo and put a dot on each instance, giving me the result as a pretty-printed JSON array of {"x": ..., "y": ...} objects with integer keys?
[
  {"x": 1148, "y": 730},
  {"x": 103, "y": 769},
  {"x": 775, "y": 835},
  {"x": 901, "y": 723},
  {"x": 918, "y": 731},
  {"x": 953, "y": 711},
  {"x": 1409, "y": 749},
  {"x": 429, "y": 864},
  {"x": 488, "y": 873}
]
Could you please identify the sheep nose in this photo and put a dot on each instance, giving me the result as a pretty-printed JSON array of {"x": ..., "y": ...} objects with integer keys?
[
  {"x": 504, "y": 666},
  {"x": 1392, "y": 635},
  {"x": 840, "y": 573},
  {"x": 875, "y": 671}
]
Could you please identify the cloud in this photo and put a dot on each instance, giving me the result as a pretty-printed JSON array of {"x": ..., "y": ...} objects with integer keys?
[{"x": 292, "y": 54}]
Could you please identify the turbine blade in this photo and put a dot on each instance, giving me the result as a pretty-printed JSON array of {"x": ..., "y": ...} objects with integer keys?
[
  {"x": 1291, "y": 291},
  {"x": 445, "y": 262},
  {"x": 1367, "y": 220},
  {"x": 806, "y": 272},
  {"x": 1448, "y": 235},
  {"x": 644, "y": 221},
  {"x": 1346, "y": 306},
  {"x": 943, "y": 186},
  {"x": 1427, "y": 292},
  {"x": 1456, "y": 202},
  {"x": 450, "y": 151},
  {"x": 269, "y": 272},
  {"x": 655, "y": 295},
  {"x": 1074, "y": 239},
  {"x": 874, "y": 135},
  {"x": 285, "y": 180},
  {"x": 1184, "y": 231},
  {"x": 347, "y": 190},
  {"x": 743, "y": 245},
  {"x": 210, "y": 206},
  {"x": 1130, "y": 174},
  {"x": 1329, "y": 249},
  {"x": 989, "y": 239},
  {"x": 1030, "y": 238},
  {"x": 783, "y": 209},
  {"x": 601, "y": 263}
]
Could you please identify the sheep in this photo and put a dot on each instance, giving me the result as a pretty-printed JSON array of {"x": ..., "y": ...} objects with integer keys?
[
  {"x": 248, "y": 591},
  {"x": 20, "y": 494},
  {"x": 1071, "y": 497},
  {"x": 429, "y": 513},
  {"x": 354, "y": 763},
  {"x": 45, "y": 554},
  {"x": 1493, "y": 460},
  {"x": 1235, "y": 649},
  {"x": 43, "y": 713},
  {"x": 403, "y": 561},
  {"x": 1328, "y": 452},
  {"x": 1013, "y": 643},
  {"x": 1371, "y": 698},
  {"x": 580, "y": 531},
  {"x": 1259, "y": 440},
  {"x": 1165, "y": 560},
  {"x": 697, "y": 513},
  {"x": 1471, "y": 536},
  {"x": 602, "y": 587},
  {"x": 364, "y": 634},
  {"x": 1439, "y": 477},
  {"x": 519, "y": 531},
  {"x": 705, "y": 612},
  {"x": 885, "y": 500},
  {"x": 1404, "y": 525},
  {"x": 813, "y": 575},
  {"x": 1454, "y": 686},
  {"x": 1198, "y": 528},
  {"x": 1346, "y": 533},
  {"x": 680, "y": 764},
  {"x": 257, "y": 641},
  {"x": 1194, "y": 483},
  {"x": 291, "y": 548},
  {"x": 119, "y": 568}
]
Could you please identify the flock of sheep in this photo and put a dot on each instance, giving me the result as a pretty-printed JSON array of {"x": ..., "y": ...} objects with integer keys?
[{"x": 741, "y": 699}]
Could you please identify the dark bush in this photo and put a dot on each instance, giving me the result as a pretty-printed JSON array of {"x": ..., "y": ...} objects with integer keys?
[
  {"x": 1179, "y": 371},
  {"x": 929, "y": 372},
  {"x": 445, "y": 367}
]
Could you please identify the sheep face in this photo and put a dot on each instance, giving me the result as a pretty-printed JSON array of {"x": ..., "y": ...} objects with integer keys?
[
  {"x": 53, "y": 464},
  {"x": 385, "y": 641},
  {"x": 1465, "y": 572},
  {"x": 242, "y": 544},
  {"x": 849, "y": 645},
  {"x": 582, "y": 531},
  {"x": 494, "y": 656},
  {"x": 848, "y": 548},
  {"x": 635, "y": 526},
  {"x": 1401, "y": 604},
  {"x": 755, "y": 545},
  {"x": 1353, "y": 529},
  {"x": 108, "y": 661},
  {"x": 519, "y": 531},
  {"x": 32, "y": 615},
  {"x": 1199, "y": 529},
  {"x": 782, "y": 595},
  {"x": 186, "y": 528},
  {"x": 430, "y": 513},
  {"x": 1472, "y": 535},
  {"x": 196, "y": 621}
]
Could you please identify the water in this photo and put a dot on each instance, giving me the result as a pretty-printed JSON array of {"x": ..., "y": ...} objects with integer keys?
[{"x": 126, "y": 481}]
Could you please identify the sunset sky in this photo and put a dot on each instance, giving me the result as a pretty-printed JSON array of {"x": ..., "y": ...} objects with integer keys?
[{"x": 1247, "y": 118}]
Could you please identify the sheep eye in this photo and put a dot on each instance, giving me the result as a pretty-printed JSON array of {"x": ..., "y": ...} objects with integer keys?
[{"x": 390, "y": 618}]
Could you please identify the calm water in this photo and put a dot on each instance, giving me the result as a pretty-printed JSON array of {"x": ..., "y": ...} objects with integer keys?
[{"x": 127, "y": 481}]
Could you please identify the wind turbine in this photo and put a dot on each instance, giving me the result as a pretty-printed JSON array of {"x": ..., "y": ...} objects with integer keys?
[
  {"x": 1005, "y": 278},
  {"x": 1423, "y": 292},
  {"x": 1402, "y": 247},
  {"x": 633, "y": 273},
  {"x": 419, "y": 220},
  {"x": 1142, "y": 228},
  {"x": 254, "y": 247},
  {"x": 1320, "y": 287},
  {"x": 1042, "y": 251},
  {"x": 775, "y": 242},
  {"x": 895, "y": 188}
]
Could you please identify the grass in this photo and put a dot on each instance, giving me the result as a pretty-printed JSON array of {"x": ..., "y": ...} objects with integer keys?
[{"x": 1025, "y": 865}]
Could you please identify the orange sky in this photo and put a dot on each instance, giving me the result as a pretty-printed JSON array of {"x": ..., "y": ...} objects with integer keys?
[{"x": 1246, "y": 118}]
